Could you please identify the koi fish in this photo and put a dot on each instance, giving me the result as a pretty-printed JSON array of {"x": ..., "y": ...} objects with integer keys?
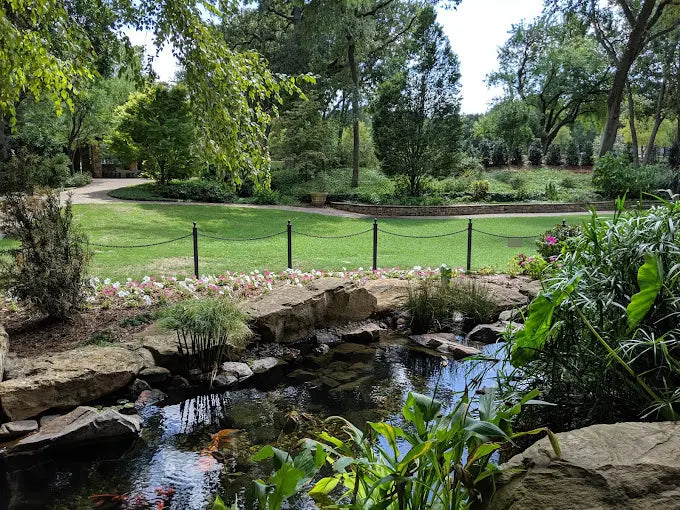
[{"x": 206, "y": 459}]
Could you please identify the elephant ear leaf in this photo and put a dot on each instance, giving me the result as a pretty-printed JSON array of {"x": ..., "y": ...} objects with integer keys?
[
  {"x": 650, "y": 276},
  {"x": 539, "y": 323}
]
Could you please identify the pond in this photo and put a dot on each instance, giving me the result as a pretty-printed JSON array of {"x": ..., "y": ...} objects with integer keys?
[{"x": 174, "y": 465}]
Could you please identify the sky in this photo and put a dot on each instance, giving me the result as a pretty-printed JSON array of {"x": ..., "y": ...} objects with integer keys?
[{"x": 476, "y": 29}]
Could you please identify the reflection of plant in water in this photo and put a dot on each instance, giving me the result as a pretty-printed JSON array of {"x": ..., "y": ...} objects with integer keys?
[
  {"x": 203, "y": 410},
  {"x": 436, "y": 462}
]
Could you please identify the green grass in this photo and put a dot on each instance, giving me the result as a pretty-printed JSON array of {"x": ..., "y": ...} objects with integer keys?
[{"x": 126, "y": 224}]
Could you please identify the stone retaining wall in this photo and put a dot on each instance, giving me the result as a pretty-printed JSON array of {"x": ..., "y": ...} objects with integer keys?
[{"x": 475, "y": 209}]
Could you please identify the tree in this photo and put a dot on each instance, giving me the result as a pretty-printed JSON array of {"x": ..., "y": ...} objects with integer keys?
[
  {"x": 554, "y": 66},
  {"x": 47, "y": 52},
  {"x": 416, "y": 121},
  {"x": 512, "y": 121},
  {"x": 156, "y": 127},
  {"x": 349, "y": 44},
  {"x": 623, "y": 28}
]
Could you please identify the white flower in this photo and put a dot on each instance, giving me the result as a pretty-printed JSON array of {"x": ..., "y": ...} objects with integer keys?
[
  {"x": 123, "y": 294},
  {"x": 107, "y": 281},
  {"x": 147, "y": 300}
]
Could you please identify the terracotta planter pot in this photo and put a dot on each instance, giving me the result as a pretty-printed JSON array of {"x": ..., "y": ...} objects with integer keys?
[{"x": 318, "y": 198}]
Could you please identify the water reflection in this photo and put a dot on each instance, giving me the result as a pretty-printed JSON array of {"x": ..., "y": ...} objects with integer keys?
[{"x": 170, "y": 463}]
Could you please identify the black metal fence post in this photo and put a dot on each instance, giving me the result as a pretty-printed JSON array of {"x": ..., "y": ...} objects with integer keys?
[
  {"x": 564, "y": 223},
  {"x": 289, "y": 229},
  {"x": 469, "y": 247},
  {"x": 194, "y": 233},
  {"x": 375, "y": 244}
]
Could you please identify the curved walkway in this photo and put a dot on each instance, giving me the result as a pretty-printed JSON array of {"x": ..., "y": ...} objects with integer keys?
[{"x": 97, "y": 193}]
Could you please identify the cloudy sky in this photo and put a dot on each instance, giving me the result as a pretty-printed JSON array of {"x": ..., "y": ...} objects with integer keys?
[{"x": 475, "y": 29}]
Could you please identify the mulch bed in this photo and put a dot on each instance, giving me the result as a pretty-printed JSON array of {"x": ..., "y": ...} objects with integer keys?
[{"x": 31, "y": 335}]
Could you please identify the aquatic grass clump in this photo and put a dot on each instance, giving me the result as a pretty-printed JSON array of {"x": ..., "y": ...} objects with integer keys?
[
  {"x": 206, "y": 329},
  {"x": 433, "y": 304}
]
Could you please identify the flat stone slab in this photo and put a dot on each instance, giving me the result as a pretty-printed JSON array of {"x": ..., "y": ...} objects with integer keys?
[
  {"x": 291, "y": 313},
  {"x": 83, "y": 425},
  {"x": 446, "y": 343},
  {"x": 624, "y": 465},
  {"x": 366, "y": 333},
  {"x": 17, "y": 428},
  {"x": 67, "y": 379},
  {"x": 262, "y": 365}
]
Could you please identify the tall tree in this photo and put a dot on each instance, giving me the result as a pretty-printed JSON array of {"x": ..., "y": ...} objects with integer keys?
[
  {"x": 624, "y": 28},
  {"x": 156, "y": 128},
  {"x": 416, "y": 120},
  {"x": 345, "y": 42},
  {"x": 554, "y": 66}
]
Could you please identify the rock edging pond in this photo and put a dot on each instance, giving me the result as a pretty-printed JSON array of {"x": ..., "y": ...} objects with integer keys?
[{"x": 65, "y": 380}]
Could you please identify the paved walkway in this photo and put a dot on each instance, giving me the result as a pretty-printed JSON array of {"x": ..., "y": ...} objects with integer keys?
[{"x": 97, "y": 193}]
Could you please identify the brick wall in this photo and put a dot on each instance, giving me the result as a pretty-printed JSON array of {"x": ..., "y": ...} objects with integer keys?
[{"x": 473, "y": 209}]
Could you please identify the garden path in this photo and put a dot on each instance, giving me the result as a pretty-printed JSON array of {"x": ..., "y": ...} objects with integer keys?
[{"x": 97, "y": 193}]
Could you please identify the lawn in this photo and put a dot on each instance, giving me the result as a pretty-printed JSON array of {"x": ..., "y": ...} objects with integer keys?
[{"x": 129, "y": 224}]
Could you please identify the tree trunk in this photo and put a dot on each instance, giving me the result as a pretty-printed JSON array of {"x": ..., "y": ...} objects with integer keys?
[
  {"x": 351, "y": 59},
  {"x": 658, "y": 119},
  {"x": 634, "y": 45},
  {"x": 631, "y": 122}
]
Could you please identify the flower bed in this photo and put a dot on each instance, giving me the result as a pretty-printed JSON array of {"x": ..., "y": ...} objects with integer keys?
[{"x": 154, "y": 290}]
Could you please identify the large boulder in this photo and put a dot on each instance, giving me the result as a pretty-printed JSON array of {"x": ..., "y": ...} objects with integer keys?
[
  {"x": 4, "y": 349},
  {"x": 623, "y": 466},
  {"x": 82, "y": 426},
  {"x": 390, "y": 293},
  {"x": 290, "y": 313},
  {"x": 506, "y": 292},
  {"x": 67, "y": 379},
  {"x": 491, "y": 333}
]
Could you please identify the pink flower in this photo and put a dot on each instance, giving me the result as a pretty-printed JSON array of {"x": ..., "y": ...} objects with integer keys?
[{"x": 551, "y": 240}]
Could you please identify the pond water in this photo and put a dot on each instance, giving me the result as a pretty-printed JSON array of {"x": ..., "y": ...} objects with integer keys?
[{"x": 172, "y": 467}]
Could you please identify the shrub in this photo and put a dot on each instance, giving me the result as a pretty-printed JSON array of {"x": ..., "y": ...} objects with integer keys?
[
  {"x": 266, "y": 197},
  {"x": 197, "y": 190},
  {"x": 516, "y": 156},
  {"x": 517, "y": 182},
  {"x": 554, "y": 155},
  {"x": 568, "y": 182},
  {"x": 535, "y": 153},
  {"x": 527, "y": 265},
  {"x": 480, "y": 190},
  {"x": 206, "y": 329},
  {"x": 587, "y": 154},
  {"x": 551, "y": 244},
  {"x": 26, "y": 171},
  {"x": 48, "y": 267},
  {"x": 616, "y": 176},
  {"x": 499, "y": 156},
  {"x": 571, "y": 155},
  {"x": 600, "y": 341},
  {"x": 78, "y": 180},
  {"x": 551, "y": 191},
  {"x": 486, "y": 149},
  {"x": 445, "y": 454}
]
